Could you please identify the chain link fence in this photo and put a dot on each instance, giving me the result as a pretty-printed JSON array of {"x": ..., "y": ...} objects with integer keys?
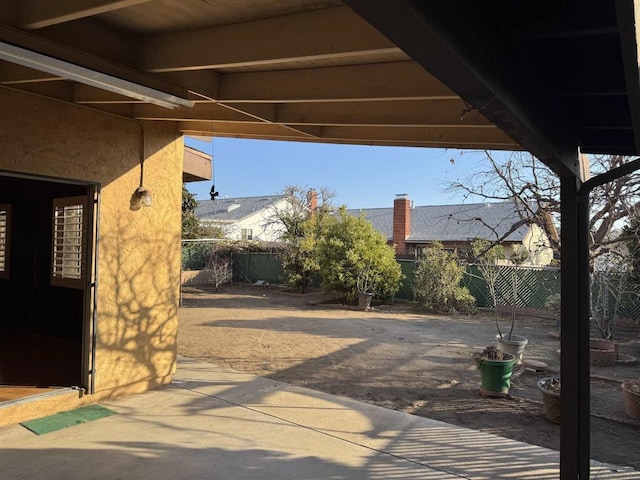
[{"x": 534, "y": 284}]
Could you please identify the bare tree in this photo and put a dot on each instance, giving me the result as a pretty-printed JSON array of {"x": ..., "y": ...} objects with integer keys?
[
  {"x": 535, "y": 190},
  {"x": 218, "y": 268},
  {"x": 302, "y": 203},
  {"x": 300, "y": 224}
]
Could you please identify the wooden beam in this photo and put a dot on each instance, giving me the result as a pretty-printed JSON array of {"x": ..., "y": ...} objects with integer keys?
[
  {"x": 271, "y": 41},
  {"x": 57, "y": 90},
  {"x": 462, "y": 137},
  {"x": 459, "y": 137},
  {"x": 45, "y": 47},
  {"x": 382, "y": 81},
  {"x": 204, "y": 112},
  {"x": 436, "y": 113},
  {"x": 200, "y": 131},
  {"x": 240, "y": 130},
  {"x": 204, "y": 83},
  {"x": 10, "y": 73},
  {"x": 35, "y": 14}
]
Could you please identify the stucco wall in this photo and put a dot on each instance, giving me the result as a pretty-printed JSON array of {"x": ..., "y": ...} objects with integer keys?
[
  {"x": 539, "y": 246},
  {"x": 139, "y": 251}
]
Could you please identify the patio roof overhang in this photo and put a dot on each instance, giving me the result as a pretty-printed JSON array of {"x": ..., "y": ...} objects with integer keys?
[{"x": 551, "y": 77}]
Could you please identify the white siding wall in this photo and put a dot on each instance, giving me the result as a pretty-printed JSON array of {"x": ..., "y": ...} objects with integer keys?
[{"x": 256, "y": 222}]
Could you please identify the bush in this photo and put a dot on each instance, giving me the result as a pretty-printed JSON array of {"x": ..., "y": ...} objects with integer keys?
[
  {"x": 437, "y": 282},
  {"x": 350, "y": 246}
]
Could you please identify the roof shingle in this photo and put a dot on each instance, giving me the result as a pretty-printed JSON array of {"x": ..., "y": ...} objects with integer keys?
[
  {"x": 234, "y": 209},
  {"x": 451, "y": 222}
]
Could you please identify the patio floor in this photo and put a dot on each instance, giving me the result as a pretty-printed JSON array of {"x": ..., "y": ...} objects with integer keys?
[{"x": 213, "y": 422}]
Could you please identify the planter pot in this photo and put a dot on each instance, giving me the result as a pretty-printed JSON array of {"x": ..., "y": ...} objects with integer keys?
[
  {"x": 514, "y": 346},
  {"x": 495, "y": 376},
  {"x": 364, "y": 300},
  {"x": 631, "y": 401},
  {"x": 602, "y": 353},
  {"x": 550, "y": 400}
]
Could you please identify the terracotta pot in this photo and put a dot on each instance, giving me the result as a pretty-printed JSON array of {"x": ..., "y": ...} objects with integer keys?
[
  {"x": 602, "y": 353},
  {"x": 550, "y": 399},
  {"x": 631, "y": 400}
]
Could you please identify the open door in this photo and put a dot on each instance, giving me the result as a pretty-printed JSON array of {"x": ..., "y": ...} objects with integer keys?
[
  {"x": 73, "y": 263},
  {"x": 47, "y": 282}
]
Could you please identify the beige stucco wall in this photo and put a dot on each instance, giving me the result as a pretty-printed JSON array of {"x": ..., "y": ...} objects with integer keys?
[
  {"x": 139, "y": 251},
  {"x": 539, "y": 246}
]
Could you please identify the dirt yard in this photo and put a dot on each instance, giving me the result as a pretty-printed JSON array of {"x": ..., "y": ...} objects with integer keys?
[{"x": 397, "y": 357}]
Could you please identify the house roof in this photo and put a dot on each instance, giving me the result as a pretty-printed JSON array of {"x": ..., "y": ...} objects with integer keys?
[
  {"x": 450, "y": 223},
  {"x": 234, "y": 209}
]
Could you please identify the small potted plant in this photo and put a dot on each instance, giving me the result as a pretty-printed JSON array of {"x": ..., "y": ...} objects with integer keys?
[
  {"x": 631, "y": 395},
  {"x": 552, "y": 303},
  {"x": 608, "y": 285},
  {"x": 495, "y": 368},
  {"x": 550, "y": 389},
  {"x": 512, "y": 343},
  {"x": 366, "y": 283}
]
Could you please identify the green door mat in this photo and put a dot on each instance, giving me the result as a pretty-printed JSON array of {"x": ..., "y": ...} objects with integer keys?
[{"x": 61, "y": 420}]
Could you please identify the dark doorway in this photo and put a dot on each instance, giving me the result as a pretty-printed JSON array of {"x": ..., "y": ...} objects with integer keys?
[{"x": 44, "y": 341}]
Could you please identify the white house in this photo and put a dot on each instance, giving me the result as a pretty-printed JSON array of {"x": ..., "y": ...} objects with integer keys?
[{"x": 243, "y": 218}]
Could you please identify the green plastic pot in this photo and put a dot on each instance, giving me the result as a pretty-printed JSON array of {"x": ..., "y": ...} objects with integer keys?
[{"x": 495, "y": 375}]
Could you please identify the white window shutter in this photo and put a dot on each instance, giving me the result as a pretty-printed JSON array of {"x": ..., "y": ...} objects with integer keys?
[{"x": 68, "y": 242}]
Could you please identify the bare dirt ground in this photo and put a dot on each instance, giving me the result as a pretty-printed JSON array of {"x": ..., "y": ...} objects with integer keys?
[{"x": 398, "y": 357}]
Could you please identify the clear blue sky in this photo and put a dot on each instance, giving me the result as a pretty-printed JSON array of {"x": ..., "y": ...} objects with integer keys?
[{"x": 360, "y": 176}]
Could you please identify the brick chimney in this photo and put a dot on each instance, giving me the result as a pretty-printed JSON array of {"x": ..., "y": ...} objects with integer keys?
[
  {"x": 312, "y": 201},
  {"x": 401, "y": 222}
]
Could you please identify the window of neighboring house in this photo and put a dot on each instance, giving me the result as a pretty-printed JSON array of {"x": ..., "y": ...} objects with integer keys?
[
  {"x": 5, "y": 236},
  {"x": 68, "y": 244},
  {"x": 247, "y": 234}
]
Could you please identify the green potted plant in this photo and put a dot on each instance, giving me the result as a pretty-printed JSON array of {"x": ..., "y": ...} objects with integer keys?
[{"x": 495, "y": 368}]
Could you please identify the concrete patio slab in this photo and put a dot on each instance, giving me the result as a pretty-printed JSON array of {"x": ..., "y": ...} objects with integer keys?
[{"x": 216, "y": 423}]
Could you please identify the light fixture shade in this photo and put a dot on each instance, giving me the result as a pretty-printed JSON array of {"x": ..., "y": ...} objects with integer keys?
[
  {"x": 70, "y": 71},
  {"x": 146, "y": 199}
]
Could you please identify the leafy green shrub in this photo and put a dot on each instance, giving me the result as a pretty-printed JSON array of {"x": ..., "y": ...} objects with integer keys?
[
  {"x": 351, "y": 246},
  {"x": 437, "y": 282}
]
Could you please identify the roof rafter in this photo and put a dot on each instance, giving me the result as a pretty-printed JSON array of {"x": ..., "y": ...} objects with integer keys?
[
  {"x": 236, "y": 45},
  {"x": 35, "y": 14},
  {"x": 379, "y": 81},
  {"x": 436, "y": 113}
]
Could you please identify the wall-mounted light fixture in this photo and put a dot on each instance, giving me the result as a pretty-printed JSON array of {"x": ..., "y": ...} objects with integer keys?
[
  {"x": 144, "y": 196},
  {"x": 141, "y": 196},
  {"x": 70, "y": 71}
]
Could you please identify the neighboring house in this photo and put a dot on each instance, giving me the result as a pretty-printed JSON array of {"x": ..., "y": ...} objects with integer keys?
[
  {"x": 412, "y": 228},
  {"x": 244, "y": 218}
]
